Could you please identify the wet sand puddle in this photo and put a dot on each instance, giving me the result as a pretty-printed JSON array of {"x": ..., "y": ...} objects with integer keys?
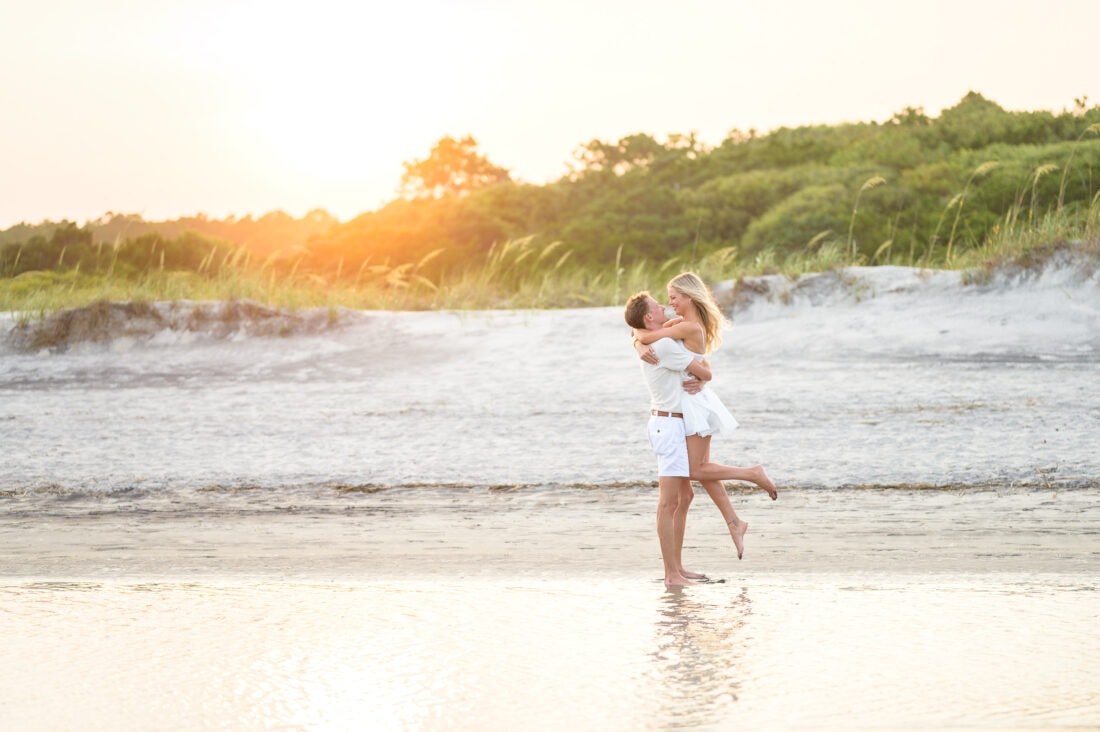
[{"x": 820, "y": 652}]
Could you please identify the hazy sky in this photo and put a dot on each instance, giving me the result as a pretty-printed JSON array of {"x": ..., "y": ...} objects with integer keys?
[{"x": 174, "y": 107}]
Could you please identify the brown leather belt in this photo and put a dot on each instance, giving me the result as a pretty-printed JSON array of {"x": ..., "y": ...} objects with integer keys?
[{"x": 659, "y": 413}]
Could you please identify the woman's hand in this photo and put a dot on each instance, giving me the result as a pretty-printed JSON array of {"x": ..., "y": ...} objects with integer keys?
[{"x": 646, "y": 353}]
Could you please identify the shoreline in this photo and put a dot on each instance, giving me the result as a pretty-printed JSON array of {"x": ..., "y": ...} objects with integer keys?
[{"x": 435, "y": 533}]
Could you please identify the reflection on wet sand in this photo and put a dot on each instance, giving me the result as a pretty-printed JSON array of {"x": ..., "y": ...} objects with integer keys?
[{"x": 698, "y": 661}]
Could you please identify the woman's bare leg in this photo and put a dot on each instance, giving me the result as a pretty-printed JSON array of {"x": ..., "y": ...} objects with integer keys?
[
  {"x": 717, "y": 492},
  {"x": 703, "y": 469},
  {"x": 721, "y": 498}
]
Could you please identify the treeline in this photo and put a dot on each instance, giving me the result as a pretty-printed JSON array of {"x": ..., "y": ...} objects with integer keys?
[
  {"x": 132, "y": 243},
  {"x": 71, "y": 248},
  {"x": 913, "y": 190}
]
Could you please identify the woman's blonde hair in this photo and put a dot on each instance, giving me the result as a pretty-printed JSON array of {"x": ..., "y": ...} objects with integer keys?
[{"x": 690, "y": 286}]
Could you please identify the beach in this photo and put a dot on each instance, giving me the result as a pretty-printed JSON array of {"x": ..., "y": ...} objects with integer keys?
[
  {"x": 473, "y": 609},
  {"x": 445, "y": 521}
]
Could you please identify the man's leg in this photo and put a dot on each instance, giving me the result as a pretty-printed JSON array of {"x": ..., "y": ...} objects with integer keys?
[
  {"x": 670, "y": 490},
  {"x": 687, "y": 494}
]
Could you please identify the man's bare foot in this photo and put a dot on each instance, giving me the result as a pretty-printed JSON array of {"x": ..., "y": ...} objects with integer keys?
[
  {"x": 692, "y": 575},
  {"x": 678, "y": 580},
  {"x": 764, "y": 481},
  {"x": 737, "y": 531}
]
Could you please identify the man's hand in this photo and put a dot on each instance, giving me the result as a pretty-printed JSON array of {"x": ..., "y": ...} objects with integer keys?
[
  {"x": 646, "y": 353},
  {"x": 693, "y": 385}
]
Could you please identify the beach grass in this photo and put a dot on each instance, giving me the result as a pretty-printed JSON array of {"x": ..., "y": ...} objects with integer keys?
[{"x": 522, "y": 274}]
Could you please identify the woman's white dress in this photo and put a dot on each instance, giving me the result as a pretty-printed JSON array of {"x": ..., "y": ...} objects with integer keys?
[{"x": 705, "y": 414}]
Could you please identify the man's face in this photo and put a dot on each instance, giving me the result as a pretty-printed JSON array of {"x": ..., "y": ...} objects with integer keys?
[{"x": 656, "y": 314}]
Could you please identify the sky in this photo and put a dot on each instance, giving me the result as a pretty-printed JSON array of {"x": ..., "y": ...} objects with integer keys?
[{"x": 169, "y": 108}]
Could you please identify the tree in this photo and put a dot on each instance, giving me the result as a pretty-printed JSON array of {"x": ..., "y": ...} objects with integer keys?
[
  {"x": 633, "y": 151},
  {"x": 453, "y": 167}
]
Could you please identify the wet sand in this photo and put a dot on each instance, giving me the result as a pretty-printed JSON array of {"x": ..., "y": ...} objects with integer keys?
[
  {"x": 824, "y": 652},
  {"x": 471, "y": 609},
  {"x": 326, "y": 533}
]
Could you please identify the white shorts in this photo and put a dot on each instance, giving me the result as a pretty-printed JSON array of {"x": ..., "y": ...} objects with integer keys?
[{"x": 666, "y": 437}]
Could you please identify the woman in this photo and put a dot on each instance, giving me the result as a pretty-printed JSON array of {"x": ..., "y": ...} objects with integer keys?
[{"x": 699, "y": 326}]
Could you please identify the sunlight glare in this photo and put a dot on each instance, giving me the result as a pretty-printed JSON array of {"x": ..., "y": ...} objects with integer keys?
[{"x": 338, "y": 93}]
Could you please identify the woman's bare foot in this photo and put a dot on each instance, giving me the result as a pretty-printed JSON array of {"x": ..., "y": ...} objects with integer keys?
[
  {"x": 692, "y": 575},
  {"x": 737, "y": 531},
  {"x": 764, "y": 481}
]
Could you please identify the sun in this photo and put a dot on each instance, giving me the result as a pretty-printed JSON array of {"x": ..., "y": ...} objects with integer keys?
[
  {"x": 342, "y": 91},
  {"x": 315, "y": 127}
]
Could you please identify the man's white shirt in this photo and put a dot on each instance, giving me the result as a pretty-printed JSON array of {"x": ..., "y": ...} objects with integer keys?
[{"x": 665, "y": 380}]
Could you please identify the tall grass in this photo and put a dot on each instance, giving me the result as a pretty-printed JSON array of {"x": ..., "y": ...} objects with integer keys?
[
  {"x": 1093, "y": 129},
  {"x": 961, "y": 199},
  {"x": 1029, "y": 241},
  {"x": 872, "y": 182},
  {"x": 521, "y": 273}
]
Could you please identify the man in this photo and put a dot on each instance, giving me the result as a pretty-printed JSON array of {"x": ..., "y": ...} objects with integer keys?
[{"x": 666, "y": 432}]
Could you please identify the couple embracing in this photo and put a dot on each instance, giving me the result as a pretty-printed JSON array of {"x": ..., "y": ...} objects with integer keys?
[{"x": 684, "y": 414}]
